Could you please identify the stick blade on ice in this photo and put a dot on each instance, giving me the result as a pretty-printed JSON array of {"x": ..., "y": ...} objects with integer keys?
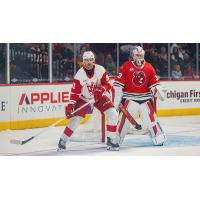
[{"x": 14, "y": 141}]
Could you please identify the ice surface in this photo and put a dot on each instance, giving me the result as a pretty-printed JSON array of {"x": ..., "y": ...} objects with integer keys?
[{"x": 183, "y": 139}]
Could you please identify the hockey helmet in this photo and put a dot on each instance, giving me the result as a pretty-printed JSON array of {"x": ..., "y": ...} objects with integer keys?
[
  {"x": 138, "y": 56},
  {"x": 88, "y": 59}
]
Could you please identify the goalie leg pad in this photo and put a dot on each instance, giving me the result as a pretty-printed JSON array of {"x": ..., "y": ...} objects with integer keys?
[
  {"x": 124, "y": 124},
  {"x": 149, "y": 118}
]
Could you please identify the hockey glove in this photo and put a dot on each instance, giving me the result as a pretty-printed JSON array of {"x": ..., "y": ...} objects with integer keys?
[
  {"x": 159, "y": 92},
  {"x": 98, "y": 93},
  {"x": 68, "y": 110}
]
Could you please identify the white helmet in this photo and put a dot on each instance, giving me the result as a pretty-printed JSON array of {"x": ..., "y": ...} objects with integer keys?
[
  {"x": 88, "y": 55},
  {"x": 88, "y": 60},
  {"x": 138, "y": 56}
]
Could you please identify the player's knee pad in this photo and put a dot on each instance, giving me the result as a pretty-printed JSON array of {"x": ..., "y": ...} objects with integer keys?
[{"x": 150, "y": 120}]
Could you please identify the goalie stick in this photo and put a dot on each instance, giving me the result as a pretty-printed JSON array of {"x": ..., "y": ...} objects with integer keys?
[
  {"x": 130, "y": 119},
  {"x": 22, "y": 142},
  {"x": 128, "y": 115}
]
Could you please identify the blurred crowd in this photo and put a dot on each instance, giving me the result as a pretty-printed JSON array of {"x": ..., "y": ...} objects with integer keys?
[
  {"x": 106, "y": 55},
  {"x": 63, "y": 61},
  {"x": 180, "y": 66},
  {"x": 29, "y": 62},
  {"x": 2, "y": 63}
]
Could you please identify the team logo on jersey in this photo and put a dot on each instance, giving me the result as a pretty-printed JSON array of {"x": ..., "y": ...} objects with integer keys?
[
  {"x": 90, "y": 88},
  {"x": 138, "y": 78},
  {"x": 131, "y": 69}
]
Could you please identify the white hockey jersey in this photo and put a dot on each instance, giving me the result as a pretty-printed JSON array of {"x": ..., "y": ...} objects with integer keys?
[{"x": 84, "y": 84}]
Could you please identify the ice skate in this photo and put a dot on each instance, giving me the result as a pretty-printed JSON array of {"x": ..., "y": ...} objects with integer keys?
[
  {"x": 61, "y": 145},
  {"x": 112, "y": 146}
]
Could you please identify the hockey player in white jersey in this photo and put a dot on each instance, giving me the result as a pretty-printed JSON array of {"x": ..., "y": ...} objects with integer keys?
[
  {"x": 90, "y": 82},
  {"x": 137, "y": 83}
]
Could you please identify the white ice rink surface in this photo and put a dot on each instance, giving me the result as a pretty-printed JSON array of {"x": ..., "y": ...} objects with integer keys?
[{"x": 183, "y": 140}]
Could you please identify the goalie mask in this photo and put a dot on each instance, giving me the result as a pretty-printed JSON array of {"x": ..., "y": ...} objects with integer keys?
[
  {"x": 88, "y": 60},
  {"x": 138, "y": 56}
]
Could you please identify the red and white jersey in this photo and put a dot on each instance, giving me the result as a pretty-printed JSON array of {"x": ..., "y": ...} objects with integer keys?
[
  {"x": 136, "y": 82},
  {"x": 84, "y": 84}
]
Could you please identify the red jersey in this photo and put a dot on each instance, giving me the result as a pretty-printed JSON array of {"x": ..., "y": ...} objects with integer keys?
[{"x": 136, "y": 82}]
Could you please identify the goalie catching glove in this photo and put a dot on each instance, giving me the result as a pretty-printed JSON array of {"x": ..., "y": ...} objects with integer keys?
[{"x": 159, "y": 92}]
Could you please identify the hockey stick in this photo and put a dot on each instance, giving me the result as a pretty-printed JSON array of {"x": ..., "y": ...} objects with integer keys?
[
  {"x": 22, "y": 142},
  {"x": 128, "y": 115},
  {"x": 130, "y": 119}
]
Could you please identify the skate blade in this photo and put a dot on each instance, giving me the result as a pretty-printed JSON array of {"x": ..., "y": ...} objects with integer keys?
[
  {"x": 14, "y": 141},
  {"x": 112, "y": 148},
  {"x": 60, "y": 150}
]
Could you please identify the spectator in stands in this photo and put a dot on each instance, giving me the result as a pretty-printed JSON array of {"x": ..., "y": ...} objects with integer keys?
[
  {"x": 176, "y": 72},
  {"x": 163, "y": 62},
  {"x": 189, "y": 73},
  {"x": 152, "y": 57},
  {"x": 16, "y": 75},
  {"x": 110, "y": 65},
  {"x": 176, "y": 55},
  {"x": 63, "y": 62},
  {"x": 186, "y": 60}
]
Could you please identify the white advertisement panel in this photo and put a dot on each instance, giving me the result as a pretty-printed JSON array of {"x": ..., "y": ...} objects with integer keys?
[
  {"x": 31, "y": 102},
  {"x": 4, "y": 104},
  {"x": 180, "y": 94}
]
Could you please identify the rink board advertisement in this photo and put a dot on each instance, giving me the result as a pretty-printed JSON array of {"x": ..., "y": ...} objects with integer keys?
[
  {"x": 38, "y": 105},
  {"x": 4, "y": 108},
  {"x": 28, "y": 106},
  {"x": 182, "y": 98},
  {"x": 35, "y": 102}
]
